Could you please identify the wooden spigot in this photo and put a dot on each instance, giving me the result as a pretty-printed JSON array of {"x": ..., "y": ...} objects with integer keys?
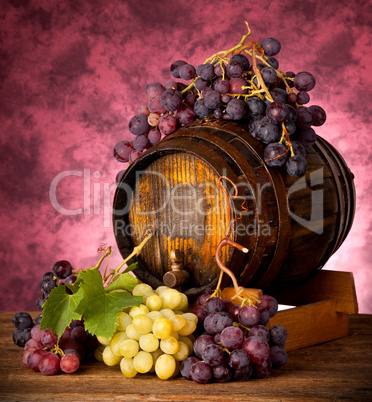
[{"x": 177, "y": 276}]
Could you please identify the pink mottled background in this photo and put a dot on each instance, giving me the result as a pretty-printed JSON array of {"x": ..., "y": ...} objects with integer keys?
[{"x": 72, "y": 74}]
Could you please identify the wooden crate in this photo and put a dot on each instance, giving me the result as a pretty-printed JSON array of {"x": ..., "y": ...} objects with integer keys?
[{"x": 321, "y": 309}]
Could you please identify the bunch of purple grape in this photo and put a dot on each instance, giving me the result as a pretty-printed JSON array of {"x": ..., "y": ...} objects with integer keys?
[
  {"x": 270, "y": 102},
  {"x": 42, "y": 353},
  {"x": 235, "y": 345}
]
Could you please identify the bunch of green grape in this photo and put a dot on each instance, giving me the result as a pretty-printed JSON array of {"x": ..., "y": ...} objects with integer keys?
[{"x": 153, "y": 337}]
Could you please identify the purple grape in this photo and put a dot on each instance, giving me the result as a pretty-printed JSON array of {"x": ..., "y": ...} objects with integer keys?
[
  {"x": 269, "y": 75},
  {"x": 79, "y": 334},
  {"x": 122, "y": 150},
  {"x": 306, "y": 136},
  {"x": 269, "y": 303},
  {"x": 185, "y": 115},
  {"x": 154, "y": 136},
  {"x": 255, "y": 106},
  {"x": 213, "y": 355},
  {"x": 76, "y": 323},
  {"x": 175, "y": 67},
  {"x": 277, "y": 112},
  {"x": 266, "y": 131},
  {"x": 37, "y": 319},
  {"x": 201, "y": 83},
  {"x": 304, "y": 81},
  {"x": 217, "y": 322},
  {"x": 34, "y": 358},
  {"x": 278, "y": 356},
  {"x": 69, "y": 363},
  {"x": 292, "y": 114},
  {"x": 201, "y": 373},
  {"x": 212, "y": 99},
  {"x": 167, "y": 124},
  {"x": 304, "y": 117},
  {"x": 243, "y": 374},
  {"x": 279, "y": 95},
  {"x": 22, "y": 320},
  {"x": 257, "y": 349},
  {"x": 36, "y": 333},
  {"x": 234, "y": 312},
  {"x": 234, "y": 68},
  {"x": 201, "y": 342},
  {"x": 303, "y": 97},
  {"x": 171, "y": 100},
  {"x": 227, "y": 305},
  {"x": 187, "y": 72},
  {"x": 264, "y": 316},
  {"x": 186, "y": 366},
  {"x": 249, "y": 316},
  {"x": 206, "y": 71},
  {"x": 62, "y": 269},
  {"x": 222, "y": 373},
  {"x": 70, "y": 280},
  {"x": 226, "y": 98},
  {"x": 232, "y": 337},
  {"x": 235, "y": 86},
  {"x": 39, "y": 303},
  {"x": 298, "y": 148},
  {"x": 202, "y": 298},
  {"x": 48, "y": 275},
  {"x": 217, "y": 338},
  {"x": 262, "y": 370},
  {"x": 218, "y": 70},
  {"x": 236, "y": 109},
  {"x": 275, "y": 154},
  {"x": 154, "y": 89},
  {"x": 278, "y": 335},
  {"x": 155, "y": 105},
  {"x": 290, "y": 127},
  {"x": 271, "y": 46},
  {"x": 221, "y": 86},
  {"x": 242, "y": 59},
  {"x": 190, "y": 99},
  {"x": 32, "y": 344},
  {"x": 213, "y": 305},
  {"x": 21, "y": 336},
  {"x": 296, "y": 166},
  {"x": 201, "y": 109},
  {"x": 170, "y": 85},
  {"x": 319, "y": 115},
  {"x": 200, "y": 313},
  {"x": 48, "y": 285},
  {"x": 49, "y": 364},
  {"x": 273, "y": 62},
  {"x": 290, "y": 74},
  {"x": 48, "y": 339},
  {"x": 138, "y": 124},
  {"x": 238, "y": 359},
  {"x": 134, "y": 155},
  {"x": 260, "y": 330},
  {"x": 140, "y": 143},
  {"x": 292, "y": 97}
]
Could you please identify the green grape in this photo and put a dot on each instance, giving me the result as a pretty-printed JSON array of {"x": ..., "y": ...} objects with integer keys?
[
  {"x": 184, "y": 303},
  {"x": 154, "y": 315},
  {"x": 124, "y": 320},
  {"x": 162, "y": 328},
  {"x": 183, "y": 352},
  {"x": 161, "y": 289},
  {"x": 155, "y": 355},
  {"x": 116, "y": 341},
  {"x": 136, "y": 310},
  {"x": 132, "y": 332},
  {"x": 127, "y": 367},
  {"x": 167, "y": 313},
  {"x": 188, "y": 342},
  {"x": 191, "y": 317},
  {"x": 165, "y": 366},
  {"x": 142, "y": 361},
  {"x": 142, "y": 324},
  {"x": 105, "y": 341},
  {"x": 129, "y": 348},
  {"x": 109, "y": 358},
  {"x": 149, "y": 342},
  {"x": 175, "y": 335},
  {"x": 98, "y": 353},
  {"x": 188, "y": 329},
  {"x": 178, "y": 322},
  {"x": 142, "y": 289},
  {"x": 169, "y": 345},
  {"x": 153, "y": 302},
  {"x": 170, "y": 298}
]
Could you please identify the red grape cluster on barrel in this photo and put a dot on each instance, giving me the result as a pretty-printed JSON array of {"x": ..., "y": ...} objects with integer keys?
[
  {"x": 241, "y": 84},
  {"x": 235, "y": 344}
]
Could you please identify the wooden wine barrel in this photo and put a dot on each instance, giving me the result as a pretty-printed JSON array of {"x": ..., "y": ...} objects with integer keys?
[{"x": 209, "y": 180}]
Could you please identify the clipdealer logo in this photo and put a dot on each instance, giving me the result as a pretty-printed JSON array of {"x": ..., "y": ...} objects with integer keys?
[{"x": 96, "y": 199}]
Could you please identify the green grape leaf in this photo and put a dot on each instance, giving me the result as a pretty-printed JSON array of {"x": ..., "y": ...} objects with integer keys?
[
  {"x": 100, "y": 309},
  {"x": 130, "y": 268},
  {"x": 124, "y": 281},
  {"x": 58, "y": 310}
]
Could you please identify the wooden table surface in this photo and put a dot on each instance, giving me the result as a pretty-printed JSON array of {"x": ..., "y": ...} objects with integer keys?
[{"x": 336, "y": 370}]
